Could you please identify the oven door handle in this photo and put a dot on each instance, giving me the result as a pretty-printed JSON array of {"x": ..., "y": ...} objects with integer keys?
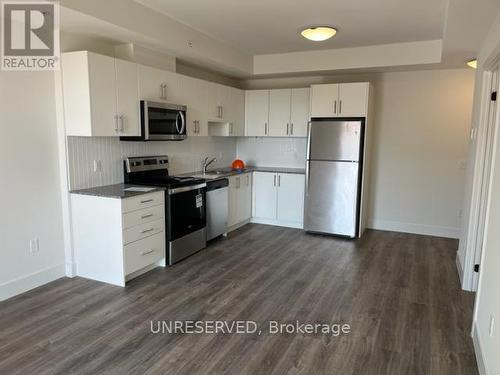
[
  {"x": 183, "y": 123},
  {"x": 186, "y": 188}
]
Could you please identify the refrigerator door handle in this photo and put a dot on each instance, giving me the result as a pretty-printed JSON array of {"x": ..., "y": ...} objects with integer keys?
[
  {"x": 308, "y": 150},
  {"x": 307, "y": 177}
]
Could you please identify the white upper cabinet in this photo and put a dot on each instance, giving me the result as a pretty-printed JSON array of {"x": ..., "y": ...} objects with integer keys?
[
  {"x": 99, "y": 99},
  {"x": 257, "y": 113},
  {"x": 158, "y": 85},
  {"x": 218, "y": 102},
  {"x": 194, "y": 94},
  {"x": 353, "y": 99},
  {"x": 237, "y": 120},
  {"x": 340, "y": 100},
  {"x": 127, "y": 93},
  {"x": 299, "y": 112},
  {"x": 279, "y": 112}
]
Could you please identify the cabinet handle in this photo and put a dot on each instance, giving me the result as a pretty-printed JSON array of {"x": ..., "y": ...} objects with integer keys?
[
  {"x": 148, "y": 230},
  {"x": 231, "y": 128},
  {"x": 147, "y": 201},
  {"x": 122, "y": 123},
  {"x": 287, "y": 128},
  {"x": 147, "y": 252},
  {"x": 335, "y": 107},
  {"x": 291, "y": 128},
  {"x": 248, "y": 180},
  {"x": 238, "y": 183},
  {"x": 116, "y": 123},
  {"x": 265, "y": 128},
  {"x": 340, "y": 106},
  {"x": 279, "y": 180},
  {"x": 221, "y": 112},
  {"x": 165, "y": 91},
  {"x": 274, "y": 180},
  {"x": 146, "y": 216}
]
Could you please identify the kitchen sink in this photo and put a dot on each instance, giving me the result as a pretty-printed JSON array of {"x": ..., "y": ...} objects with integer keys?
[{"x": 209, "y": 175}]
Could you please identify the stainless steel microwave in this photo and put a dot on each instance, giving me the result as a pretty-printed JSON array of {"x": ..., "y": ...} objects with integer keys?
[{"x": 161, "y": 122}]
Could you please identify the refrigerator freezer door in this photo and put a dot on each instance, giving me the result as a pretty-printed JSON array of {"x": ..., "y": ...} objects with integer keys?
[
  {"x": 331, "y": 198},
  {"x": 335, "y": 140}
]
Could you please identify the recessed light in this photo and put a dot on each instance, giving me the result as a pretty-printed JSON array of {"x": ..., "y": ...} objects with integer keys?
[
  {"x": 318, "y": 33},
  {"x": 472, "y": 64}
]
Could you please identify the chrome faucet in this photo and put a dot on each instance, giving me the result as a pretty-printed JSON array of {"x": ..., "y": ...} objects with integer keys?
[{"x": 207, "y": 162}]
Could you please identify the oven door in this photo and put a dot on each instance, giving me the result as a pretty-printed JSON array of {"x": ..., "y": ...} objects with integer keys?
[
  {"x": 163, "y": 121},
  {"x": 186, "y": 211}
]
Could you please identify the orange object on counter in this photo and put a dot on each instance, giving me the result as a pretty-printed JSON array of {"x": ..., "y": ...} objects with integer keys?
[{"x": 238, "y": 164}]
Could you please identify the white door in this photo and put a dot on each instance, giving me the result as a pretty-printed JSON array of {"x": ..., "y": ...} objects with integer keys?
[
  {"x": 353, "y": 100},
  {"x": 237, "y": 119},
  {"x": 279, "y": 113},
  {"x": 127, "y": 98},
  {"x": 291, "y": 198},
  {"x": 324, "y": 100},
  {"x": 215, "y": 102},
  {"x": 245, "y": 197},
  {"x": 194, "y": 96},
  {"x": 102, "y": 82},
  {"x": 151, "y": 84},
  {"x": 234, "y": 182},
  {"x": 265, "y": 195},
  {"x": 299, "y": 115},
  {"x": 256, "y": 113},
  {"x": 173, "y": 92}
]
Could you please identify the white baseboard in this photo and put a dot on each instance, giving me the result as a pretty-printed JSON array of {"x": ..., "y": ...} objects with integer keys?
[
  {"x": 287, "y": 224},
  {"x": 428, "y": 230},
  {"x": 476, "y": 339},
  {"x": 460, "y": 269},
  {"x": 71, "y": 269},
  {"x": 28, "y": 282}
]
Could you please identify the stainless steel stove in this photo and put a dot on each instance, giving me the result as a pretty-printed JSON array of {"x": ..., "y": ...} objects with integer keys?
[{"x": 185, "y": 204}]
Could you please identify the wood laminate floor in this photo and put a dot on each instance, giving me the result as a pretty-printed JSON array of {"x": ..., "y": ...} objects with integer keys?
[{"x": 399, "y": 292}]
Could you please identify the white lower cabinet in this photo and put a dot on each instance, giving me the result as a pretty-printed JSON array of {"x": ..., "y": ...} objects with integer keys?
[
  {"x": 240, "y": 199},
  {"x": 116, "y": 240},
  {"x": 278, "y": 199}
]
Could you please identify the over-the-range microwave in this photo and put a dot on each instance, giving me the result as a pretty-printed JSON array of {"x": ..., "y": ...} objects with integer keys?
[{"x": 161, "y": 122}]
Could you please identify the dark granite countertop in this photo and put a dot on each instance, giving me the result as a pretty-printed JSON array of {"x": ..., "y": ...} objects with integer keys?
[
  {"x": 118, "y": 191},
  {"x": 226, "y": 172}
]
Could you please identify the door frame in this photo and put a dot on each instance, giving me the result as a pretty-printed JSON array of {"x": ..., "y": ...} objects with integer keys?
[{"x": 485, "y": 136}]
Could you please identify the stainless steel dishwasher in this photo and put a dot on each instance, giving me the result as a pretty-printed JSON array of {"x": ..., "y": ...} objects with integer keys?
[{"x": 217, "y": 207}]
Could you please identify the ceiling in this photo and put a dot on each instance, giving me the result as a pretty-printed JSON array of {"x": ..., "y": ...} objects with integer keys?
[{"x": 272, "y": 26}]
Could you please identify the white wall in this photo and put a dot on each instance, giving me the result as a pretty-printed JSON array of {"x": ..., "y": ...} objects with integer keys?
[
  {"x": 488, "y": 296},
  {"x": 184, "y": 156},
  {"x": 421, "y": 137},
  {"x": 273, "y": 152},
  {"x": 29, "y": 183}
]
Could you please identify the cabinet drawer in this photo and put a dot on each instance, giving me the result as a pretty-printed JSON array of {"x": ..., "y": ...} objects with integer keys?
[
  {"x": 142, "y": 253},
  {"x": 143, "y": 201},
  {"x": 142, "y": 231},
  {"x": 146, "y": 215}
]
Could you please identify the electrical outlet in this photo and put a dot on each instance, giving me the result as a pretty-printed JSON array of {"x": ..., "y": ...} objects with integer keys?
[
  {"x": 492, "y": 324},
  {"x": 97, "y": 166},
  {"x": 34, "y": 245}
]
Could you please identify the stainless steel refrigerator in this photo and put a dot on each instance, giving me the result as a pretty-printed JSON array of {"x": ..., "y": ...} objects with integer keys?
[{"x": 333, "y": 176}]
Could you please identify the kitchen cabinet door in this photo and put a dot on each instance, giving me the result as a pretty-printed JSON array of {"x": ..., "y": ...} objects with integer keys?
[
  {"x": 291, "y": 198},
  {"x": 256, "y": 113},
  {"x": 233, "y": 196},
  {"x": 194, "y": 96},
  {"x": 158, "y": 85},
  {"x": 324, "y": 100},
  {"x": 102, "y": 95},
  {"x": 279, "y": 112},
  {"x": 237, "y": 113},
  {"x": 353, "y": 100},
  {"x": 265, "y": 195},
  {"x": 245, "y": 197},
  {"x": 127, "y": 98},
  {"x": 299, "y": 115},
  {"x": 217, "y": 102}
]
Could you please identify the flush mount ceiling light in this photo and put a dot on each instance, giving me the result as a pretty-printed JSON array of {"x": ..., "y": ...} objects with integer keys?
[
  {"x": 318, "y": 33},
  {"x": 472, "y": 64}
]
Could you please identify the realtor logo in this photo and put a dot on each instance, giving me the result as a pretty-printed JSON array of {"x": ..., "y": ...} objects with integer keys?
[{"x": 30, "y": 35}]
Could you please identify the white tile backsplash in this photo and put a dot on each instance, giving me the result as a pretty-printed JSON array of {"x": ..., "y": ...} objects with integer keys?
[
  {"x": 184, "y": 156},
  {"x": 273, "y": 152}
]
